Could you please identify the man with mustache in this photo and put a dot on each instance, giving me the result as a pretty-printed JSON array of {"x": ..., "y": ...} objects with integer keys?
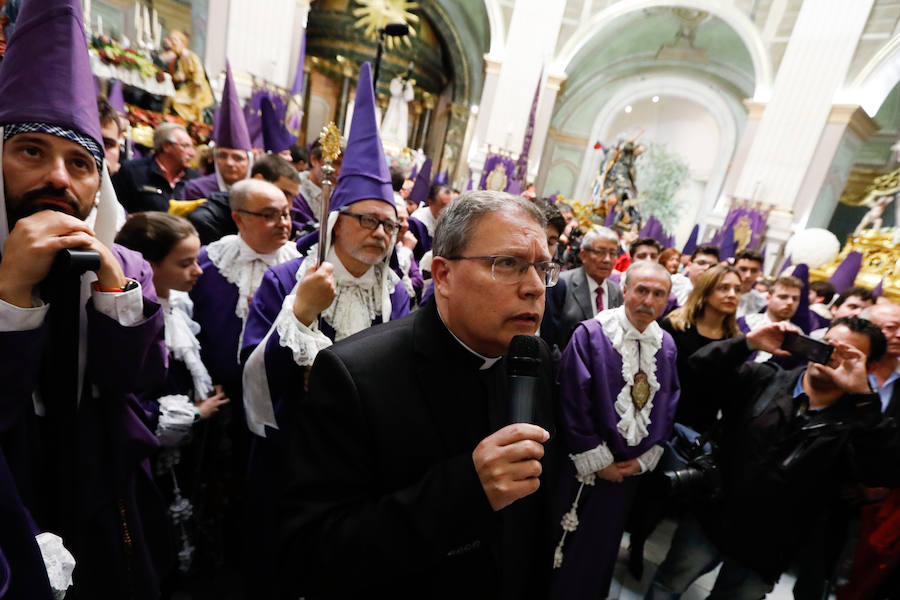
[
  {"x": 57, "y": 196},
  {"x": 302, "y": 307},
  {"x": 618, "y": 393}
]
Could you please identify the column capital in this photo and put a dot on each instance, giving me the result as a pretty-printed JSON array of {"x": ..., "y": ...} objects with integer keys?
[
  {"x": 492, "y": 65},
  {"x": 555, "y": 80},
  {"x": 857, "y": 120},
  {"x": 755, "y": 109}
]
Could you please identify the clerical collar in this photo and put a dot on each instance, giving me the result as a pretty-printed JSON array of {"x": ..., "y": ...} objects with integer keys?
[{"x": 487, "y": 361}]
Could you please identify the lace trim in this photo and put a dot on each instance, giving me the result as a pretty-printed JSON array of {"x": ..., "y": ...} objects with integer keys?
[
  {"x": 176, "y": 418},
  {"x": 181, "y": 340},
  {"x": 304, "y": 342},
  {"x": 591, "y": 461},
  {"x": 626, "y": 340},
  {"x": 649, "y": 459},
  {"x": 58, "y": 561}
]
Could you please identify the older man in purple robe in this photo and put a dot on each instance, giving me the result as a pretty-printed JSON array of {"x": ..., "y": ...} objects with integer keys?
[
  {"x": 619, "y": 390},
  {"x": 84, "y": 476},
  {"x": 301, "y": 308}
]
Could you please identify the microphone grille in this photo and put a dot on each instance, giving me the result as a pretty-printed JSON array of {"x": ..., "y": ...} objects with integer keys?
[{"x": 524, "y": 355}]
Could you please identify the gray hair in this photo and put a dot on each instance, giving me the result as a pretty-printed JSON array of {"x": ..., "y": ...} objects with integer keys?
[
  {"x": 599, "y": 233},
  {"x": 457, "y": 221},
  {"x": 165, "y": 134},
  {"x": 247, "y": 188},
  {"x": 646, "y": 265}
]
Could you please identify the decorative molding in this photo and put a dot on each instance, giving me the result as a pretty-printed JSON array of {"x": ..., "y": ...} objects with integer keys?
[
  {"x": 567, "y": 138},
  {"x": 857, "y": 120},
  {"x": 755, "y": 110}
]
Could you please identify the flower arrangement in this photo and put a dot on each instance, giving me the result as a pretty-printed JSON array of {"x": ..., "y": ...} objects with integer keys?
[{"x": 111, "y": 53}]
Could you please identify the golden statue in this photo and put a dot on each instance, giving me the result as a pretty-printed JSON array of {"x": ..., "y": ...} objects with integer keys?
[
  {"x": 193, "y": 94},
  {"x": 496, "y": 179},
  {"x": 743, "y": 233}
]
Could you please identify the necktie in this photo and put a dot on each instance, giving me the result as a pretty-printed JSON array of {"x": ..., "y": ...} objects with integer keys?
[{"x": 599, "y": 298}]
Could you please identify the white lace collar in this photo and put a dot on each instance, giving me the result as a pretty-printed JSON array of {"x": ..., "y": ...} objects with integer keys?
[
  {"x": 423, "y": 215},
  {"x": 181, "y": 339},
  {"x": 638, "y": 351},
  {"x": 242, "y": 266},
  {"x": 311, "y": 193},
  {"x": 358, "y": 300}
]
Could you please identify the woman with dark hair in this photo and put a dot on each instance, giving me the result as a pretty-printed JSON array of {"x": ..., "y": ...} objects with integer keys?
[
  {"x": 670, "y": 258},
  {"x": 171, "y": 245}
]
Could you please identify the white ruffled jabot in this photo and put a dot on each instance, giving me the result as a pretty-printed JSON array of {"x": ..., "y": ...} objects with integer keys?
[
  {"x": 242, "y": 266},
  {"x": 638, "y": 351},
  {"x": 181, "y": 340}
]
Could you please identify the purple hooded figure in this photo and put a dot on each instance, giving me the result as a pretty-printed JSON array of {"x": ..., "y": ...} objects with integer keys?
[
  {"x": 98, "y": 480},
  {"x": 276, "y": 138},
  {"x": 279, "y": 348},
  {"x": 115, "y": 97},
  {"x": 878, "y": 290},
  {"x": 423, "y": 219},
  {"x": 845, "y": 274},
  {"x": 726, "y": 248},
  {"x": 691, "y": 243},
  {"x": 233, "y": 150}
]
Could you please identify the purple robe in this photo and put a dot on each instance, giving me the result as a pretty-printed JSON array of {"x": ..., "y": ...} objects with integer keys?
[
  {"x": 114, "y": 443},
  {"x": 590, "y": 378},
  {"x": 200, "y": 187},
  {"x": 302, "y": 216},
  {"x": 421, "y": 232},
  {"x": 267, "y": 471},
  {"x": 215, "y": 300}
]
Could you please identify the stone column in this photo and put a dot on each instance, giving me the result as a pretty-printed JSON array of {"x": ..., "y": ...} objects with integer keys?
[
  {"x": 428, "y": 101},
  {"x": 346, "y": 74}
]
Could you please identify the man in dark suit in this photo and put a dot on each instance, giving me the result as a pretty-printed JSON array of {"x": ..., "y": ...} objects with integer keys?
[
  {"x": 409, "y": 482},
  {"x": 149, "y": 183},
  {"x": 583, "y": 292},
  {"x": 886, "y": 372}
]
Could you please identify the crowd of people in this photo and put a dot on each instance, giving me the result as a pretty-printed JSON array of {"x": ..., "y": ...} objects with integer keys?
[{"x": 196, "y": 403}]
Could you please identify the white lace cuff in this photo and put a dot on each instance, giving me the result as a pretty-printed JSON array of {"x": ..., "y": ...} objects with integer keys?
[
  {"x": 176, "y": 418},
  {"x": 59, "y": 563},
  {"x": 125, "y": 307},
  {"x": 592, "y": 461},
  {"x": 649, "y": 459},
  {"x": 304, "y": 342}
]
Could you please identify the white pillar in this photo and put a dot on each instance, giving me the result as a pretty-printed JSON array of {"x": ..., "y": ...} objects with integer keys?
[
  {"x": 549, "y": 90},
  {"x": 813, "y": 70}
]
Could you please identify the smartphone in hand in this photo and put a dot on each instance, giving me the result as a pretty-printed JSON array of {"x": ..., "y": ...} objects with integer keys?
[{"x": 806, "y": 347}]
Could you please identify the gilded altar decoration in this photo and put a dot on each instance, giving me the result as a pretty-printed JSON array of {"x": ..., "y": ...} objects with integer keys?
[
  {"x": 375, "y": 14},
  {"x": 881, "y": 260},
  {"x": 330, "y": 140}
]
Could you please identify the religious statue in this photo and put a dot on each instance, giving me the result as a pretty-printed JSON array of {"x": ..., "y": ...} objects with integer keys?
[
  {"x": 743, "y": 233},
  {"x": 193, "y": 96},
  {"x": 614, "y": 188},
  {"x": 496, "y": 179},
  {"x": 395, "y": 126},
  {"x": 880, "y": 195}
]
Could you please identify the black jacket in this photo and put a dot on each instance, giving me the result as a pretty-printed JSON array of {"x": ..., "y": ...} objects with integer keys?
[
  {"x": 383, "y": 499},
  {"x": 212, "y": 219},
  {"x": 140, "y": 185},
  {"x": 780, "y": 464}
]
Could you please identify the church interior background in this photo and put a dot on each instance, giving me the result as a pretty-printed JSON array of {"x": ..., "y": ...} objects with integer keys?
[{"x": 788, "y": 107}]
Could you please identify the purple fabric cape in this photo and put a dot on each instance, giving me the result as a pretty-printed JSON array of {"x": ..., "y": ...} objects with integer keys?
[
  {"x": 301, "y": 213},
  {"x": 113, "y": 444},
  {"x": 200, "y": 187},
  {"x": 590, "y": 377},
  {"x": 421, "y": 232}
]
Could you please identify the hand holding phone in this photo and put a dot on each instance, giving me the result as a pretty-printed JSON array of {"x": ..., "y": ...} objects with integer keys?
[{"x": 806, "y": 347}]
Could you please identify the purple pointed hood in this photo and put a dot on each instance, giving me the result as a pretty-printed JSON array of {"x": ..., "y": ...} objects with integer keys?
[
  {"x": 419, "y": 191},
  {"x": 846, "y": 272},
  {"x": 115, "y": 97},
  {"x": 726, "y": 248},
  {"x": 878, "y": 290},
  {"x": 230, "y": 129},
  {"x": 364, "y": 171},
  {"x": 802, "y": 318},
  {"x": 691, "y": 244},
  {"x": 275, "y": 137},
  {"x": 46, "y": 75}
]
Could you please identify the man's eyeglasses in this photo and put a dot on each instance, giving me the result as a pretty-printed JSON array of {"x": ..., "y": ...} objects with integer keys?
[
  {"x": 602, "y": 252},
  {"x": 272, "y": 217},
  {"x": 371, "y": 221},
  {"x": 512, "y": 269}
]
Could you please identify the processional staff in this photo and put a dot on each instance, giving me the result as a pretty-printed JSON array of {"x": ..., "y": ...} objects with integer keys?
[{"x": 330, "y": 141}]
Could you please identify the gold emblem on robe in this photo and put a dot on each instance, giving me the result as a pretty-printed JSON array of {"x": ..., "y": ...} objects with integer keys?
[{"x": 640, "y": 391}]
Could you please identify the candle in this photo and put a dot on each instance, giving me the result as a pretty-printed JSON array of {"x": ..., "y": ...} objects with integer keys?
[
  {"x": 157, "y": 29},
  {"x": 137, "y": 24},
  {"x": 99, "y": 24},
  {"x": 148, "y": 36},
  {"x": 87, "y": 13}
]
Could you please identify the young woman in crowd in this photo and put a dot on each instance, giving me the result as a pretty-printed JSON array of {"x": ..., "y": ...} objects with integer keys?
[
  {"x": 171, "y": 245},
  {"x": 670, "y": 258}
]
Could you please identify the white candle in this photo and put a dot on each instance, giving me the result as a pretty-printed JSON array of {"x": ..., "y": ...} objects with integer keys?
[
  {"x": 148, "y": 36},
  {"x": 99, "y": 24},
  {"x": 86, "y": 17},
  {"x": 157, "y": 29},
  {"x": 137, "y": 24}
]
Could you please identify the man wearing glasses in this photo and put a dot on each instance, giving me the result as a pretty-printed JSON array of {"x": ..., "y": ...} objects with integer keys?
[
  {"x": 413, "y": 476},
  {"x": 149, "y": 183},
  {"x": 587, "y": 290}
]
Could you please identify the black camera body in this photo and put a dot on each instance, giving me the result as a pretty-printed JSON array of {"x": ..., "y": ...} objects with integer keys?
[{"x": 690, "y": 467}]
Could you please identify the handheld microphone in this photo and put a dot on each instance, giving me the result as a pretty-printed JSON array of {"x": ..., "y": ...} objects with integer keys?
[{"x": 524, "y": 365}]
